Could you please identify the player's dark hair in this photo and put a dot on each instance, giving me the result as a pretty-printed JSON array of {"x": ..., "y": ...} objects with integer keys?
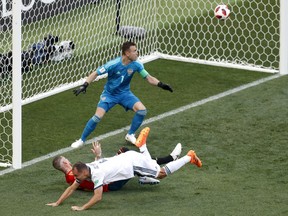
[
  {"x": 122, "y": 150},
  {"x": 126, "y": 46},
  {"x": 80, "y": 166}
]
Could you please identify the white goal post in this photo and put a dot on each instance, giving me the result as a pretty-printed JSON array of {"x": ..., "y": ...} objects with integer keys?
[{"x": 58, "y": 42}]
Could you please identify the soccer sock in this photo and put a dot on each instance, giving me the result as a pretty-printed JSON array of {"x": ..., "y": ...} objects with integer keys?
[
  {"x": 143, "y": 149},
  {"x": 137, "y": 121},
  {"x": 164, "y": 160},
  {"x": 90, "y": 126},
  {"x": 177, "y": 164}
]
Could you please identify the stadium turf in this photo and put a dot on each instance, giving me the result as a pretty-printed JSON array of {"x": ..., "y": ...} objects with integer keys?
[{"x": 240, "y": 138}]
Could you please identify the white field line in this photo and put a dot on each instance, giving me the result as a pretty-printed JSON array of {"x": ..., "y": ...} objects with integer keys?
[{"x": 153, "y": 119}]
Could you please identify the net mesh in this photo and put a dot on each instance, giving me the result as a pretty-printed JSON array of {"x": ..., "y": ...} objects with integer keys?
[{"x": 64, "y": 40}]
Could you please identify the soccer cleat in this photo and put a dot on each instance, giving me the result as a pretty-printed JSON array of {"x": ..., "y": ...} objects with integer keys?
[
  {"x": 131, "y": 138},
  {"x": 148, "y": 180},
  {"x": 141, "y": 140},
  {"x": 77, "y": 144},
  {"x": 194, "y": 159},
  {"x": 176, "y": 151}
]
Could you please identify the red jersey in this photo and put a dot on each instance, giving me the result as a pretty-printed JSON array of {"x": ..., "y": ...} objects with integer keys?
[{"x": 84, "y": 185}]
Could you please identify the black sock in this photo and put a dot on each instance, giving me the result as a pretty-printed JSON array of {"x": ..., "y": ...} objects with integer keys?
[{"x": 164, "y": 160}]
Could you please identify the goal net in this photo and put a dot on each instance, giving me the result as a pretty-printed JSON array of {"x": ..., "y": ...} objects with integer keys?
[{"x": 62, "y": 41}]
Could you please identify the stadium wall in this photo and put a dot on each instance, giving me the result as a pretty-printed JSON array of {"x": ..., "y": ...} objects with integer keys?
[{"x": 34, "y": 10}]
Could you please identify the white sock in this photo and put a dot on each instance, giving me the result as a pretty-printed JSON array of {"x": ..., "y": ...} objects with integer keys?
[
  {"x": 173, "y": 166},
  {"x": 143, "y": 149}
]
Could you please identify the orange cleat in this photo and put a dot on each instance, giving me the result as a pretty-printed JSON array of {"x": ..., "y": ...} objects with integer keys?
[
  {"x": 194, "y": 159},
  {"x": 141, "y": 140}
]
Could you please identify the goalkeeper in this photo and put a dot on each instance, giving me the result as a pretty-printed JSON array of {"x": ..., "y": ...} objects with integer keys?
[{"x": 117, "y": 91}]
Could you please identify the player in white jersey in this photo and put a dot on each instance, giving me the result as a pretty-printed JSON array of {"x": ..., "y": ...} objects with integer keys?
[{"x": 124, "y": 166}]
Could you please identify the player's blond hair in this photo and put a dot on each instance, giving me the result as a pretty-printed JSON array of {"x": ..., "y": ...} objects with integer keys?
[{"x": 57, "y": 163}]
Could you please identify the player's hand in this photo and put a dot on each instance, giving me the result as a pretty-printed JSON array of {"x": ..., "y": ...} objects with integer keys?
[
  {"x": 54, "y": 204},
  {"x": 96, "y": 149},
  {"x": 77, "y": 208},
  {"x": 165, "y": 86},
  {"x": 82, "y": 88}
]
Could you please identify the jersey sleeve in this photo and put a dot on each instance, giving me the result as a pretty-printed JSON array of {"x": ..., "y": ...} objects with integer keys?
[
  {"x": 97, "y": 176},
  {"x": 140, "y": 66},
  {"x": 101, "y": 70},
  {"x": 108, "y": 66},
  {"x": 98, "y": 180}
]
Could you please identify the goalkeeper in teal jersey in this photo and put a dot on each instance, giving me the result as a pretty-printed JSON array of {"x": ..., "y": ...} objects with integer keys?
[{"x": 117, "y": 91}]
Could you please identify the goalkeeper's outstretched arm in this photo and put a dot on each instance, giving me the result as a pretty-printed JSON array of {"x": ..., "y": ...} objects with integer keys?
[
  {"x": 154, "y": 81},
  {"x": 83, "y": 87},
  {"x": 91, "y": 77}
]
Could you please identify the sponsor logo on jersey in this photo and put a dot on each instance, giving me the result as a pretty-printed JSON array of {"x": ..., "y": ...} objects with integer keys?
[
  {"x": 96, "y": 182},
  {"x": 130, "y": 71},
  {"x": 102, "y": 70},
  {"x": 118, "y": 72}
]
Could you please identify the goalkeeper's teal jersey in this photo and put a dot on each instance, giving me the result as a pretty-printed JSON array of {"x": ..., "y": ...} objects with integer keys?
[{"x": 119, "y": 75}]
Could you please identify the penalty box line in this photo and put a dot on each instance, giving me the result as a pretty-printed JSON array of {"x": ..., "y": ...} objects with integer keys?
[{"x": 150, "y": 120}]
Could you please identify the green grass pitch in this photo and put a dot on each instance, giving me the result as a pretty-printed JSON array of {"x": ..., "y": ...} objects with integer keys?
[{"x": 241, "y": 138}]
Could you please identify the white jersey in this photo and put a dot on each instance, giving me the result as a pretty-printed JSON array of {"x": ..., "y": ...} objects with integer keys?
[{"x": 120, "y": 167}]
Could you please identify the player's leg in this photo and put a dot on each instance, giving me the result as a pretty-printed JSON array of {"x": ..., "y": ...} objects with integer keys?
[
  {"x": 174, "y": 155},
  {"x": 105, "y": 104},
  {"x": 90, "y": 127},
  {"x": 142, "y": 166},
  {"x": 176, "y": 165},
  {"x": 131, "y": 102},
  {"x": 142, "y": 179},
  {"x": 141, "y": 142},
  {"x": 147, "y": 176},
  {"x": 92, "y": 123},
  {"x": 140, "y": 113}
]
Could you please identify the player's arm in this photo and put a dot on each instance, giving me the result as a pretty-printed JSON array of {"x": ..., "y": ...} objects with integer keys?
[
  {"x": 154, "y": 81},
  {"x": 96, "y": 198},
  {"x": 65, "y": 194},
  {"x": 96, "y": 149},
  {"x": 84, "y": 86},
  {"x": 91, "y": 77}
]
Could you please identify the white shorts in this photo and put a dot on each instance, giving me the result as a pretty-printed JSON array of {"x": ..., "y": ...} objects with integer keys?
[{"x": 142, "y": 165}]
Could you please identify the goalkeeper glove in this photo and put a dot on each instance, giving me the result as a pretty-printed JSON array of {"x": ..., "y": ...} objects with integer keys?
[
  {"x": 165, "y": 86},
  {"x": 82, "y": 88}
]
